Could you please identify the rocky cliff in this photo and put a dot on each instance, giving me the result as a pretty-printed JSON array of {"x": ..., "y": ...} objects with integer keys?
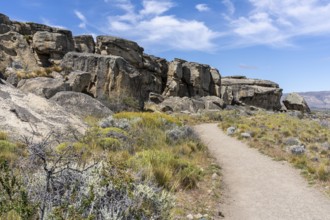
[{"x": 114, "y": 68}]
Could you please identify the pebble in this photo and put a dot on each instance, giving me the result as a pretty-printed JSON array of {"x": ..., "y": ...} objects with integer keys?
[
  {"x": 190, "y": 217},
  {"x": 214, "y": 176}
]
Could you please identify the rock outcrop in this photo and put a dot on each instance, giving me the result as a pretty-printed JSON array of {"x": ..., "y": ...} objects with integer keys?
[
  {"x": 294, "y": 101},
  {"x": 114, "y": 68},
  {"x": 26, "y": 114},
  {"x": 112, "y": 76},
  {"x": 81, "y": 104},
  {"x": 84, "y": 44},
  {"x": 260, "y": 93},
  {"x": 191, "y": 79},
  {"x": 129, "y": 50},
  {"x": 30, "y": 45}
]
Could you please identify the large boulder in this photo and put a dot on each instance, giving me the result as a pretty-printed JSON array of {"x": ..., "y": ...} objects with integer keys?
[
  {"x": 43, "y": 86},
  {"x": 260, "y": 93},
  {"x": 84, "y": 44},
  {"x": 51, "y": 47},
  {"x": 129, "y": 50},
  {"x": 25, "y": 114},
  {"x": 15, "y": 52},
  {"x": 29, "y": 45},
  {"x": 112, "y": 76},
  {"x": 191, "y": 79},
  {"x": 294, "y": 101},
  {"x": 81, "y": 104}
]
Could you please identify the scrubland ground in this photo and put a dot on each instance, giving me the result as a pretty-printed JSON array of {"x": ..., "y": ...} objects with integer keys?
[{"x": 127, "y": 166}]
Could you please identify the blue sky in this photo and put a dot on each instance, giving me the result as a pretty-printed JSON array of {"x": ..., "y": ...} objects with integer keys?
[{"x": 286, "y": 41}]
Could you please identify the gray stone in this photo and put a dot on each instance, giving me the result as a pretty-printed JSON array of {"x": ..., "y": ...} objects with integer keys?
[
  {"x": 79, "y": 81},
  {"x": 155, "y": 98},
  {"x": 112, "y": 76},
  {"x": 297, "y": 149},
  {"x": 191, "y": 79},
  {"x": 43, "y": 86},
  {"x": 81, "y": 104},
  {"x": 129, "y": 50},
  {"x": 260, "y": 93},
  {"x": 11, "y": 76},
  {"x": 51, "y": 47},
  {"x": 33, "y": 116},
  {"x": 290, "y": 141},
  {"x": 190, "y": 217},
  {"x": 84, "y": 44},
  {"x": 213, "y": 102},
  {"x": 231, "y": 130},
  {"x": 294, "y": 101},
  {"x": 246, "y": 135}
]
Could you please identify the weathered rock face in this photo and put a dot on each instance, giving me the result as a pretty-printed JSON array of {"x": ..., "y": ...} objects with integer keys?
[
  {"x": 51, "y": 47},
  {"x": 84, "y": 44},
  {"x": 25, "y": 114},
  {"x": 129, "y": 50},
  {"x": 260, "y": 93},
  {"x": 29, "y": 45},
  {"x": 81, "y": 104},
  {"x": 43, "y": 86},
  {"x": 111, "y": 77},
  {"x": 191, "y": 79},
  {"x": 295, "y": 101},
  {"x": 15, "y": 52},
  {"x": 79, "y": 81}
]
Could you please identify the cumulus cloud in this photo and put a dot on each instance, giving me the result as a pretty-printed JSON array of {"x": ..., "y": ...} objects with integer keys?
[
  {"x": 153, "y": 25},
  {"x": 278, "y": 22},
  {"x": 202, "y": 7}
]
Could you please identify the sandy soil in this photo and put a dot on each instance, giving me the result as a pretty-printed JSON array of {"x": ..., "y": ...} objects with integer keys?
[{"x": 257, "y": 187}]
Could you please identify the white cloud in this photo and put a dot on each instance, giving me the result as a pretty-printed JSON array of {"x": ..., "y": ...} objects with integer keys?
[
  {"x": 82, "y": 18},
  {"x": 155, "y": 7},
  {"x": 277, "y": 23},
  {"x": 49, "y": 23},
  {"x": 150, "y": 26},
  {"x": 230, "y": 6},
  {"x": 202, "y": 7}
]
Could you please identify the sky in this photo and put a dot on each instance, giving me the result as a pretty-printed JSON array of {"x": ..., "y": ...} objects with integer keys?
[{"x": 285, "y": 41}]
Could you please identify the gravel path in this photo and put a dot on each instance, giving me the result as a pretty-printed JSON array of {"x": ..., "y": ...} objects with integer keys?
[{"x": 257, "y": 187}]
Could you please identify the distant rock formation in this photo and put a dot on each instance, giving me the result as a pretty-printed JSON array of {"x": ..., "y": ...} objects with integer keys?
[
  {"x": 260, "y": 93},
  {"x": 319, "y": 100},
  {"x": 294, "y": 101}
]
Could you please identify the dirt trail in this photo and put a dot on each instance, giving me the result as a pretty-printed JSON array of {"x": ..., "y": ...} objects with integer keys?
[{"x": 259, "y": 188}]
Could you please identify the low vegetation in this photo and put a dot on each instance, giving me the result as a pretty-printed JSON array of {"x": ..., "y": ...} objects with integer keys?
[
  {"x": 127, "y": 166},
  {"x": 41, "y": 72},
  {"x": 304, "y": 142}
]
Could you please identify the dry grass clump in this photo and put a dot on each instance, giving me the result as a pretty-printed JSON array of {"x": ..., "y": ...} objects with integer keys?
[
  {"x": 41, "y": 72},
  {"x": 273, "y": 133}
]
